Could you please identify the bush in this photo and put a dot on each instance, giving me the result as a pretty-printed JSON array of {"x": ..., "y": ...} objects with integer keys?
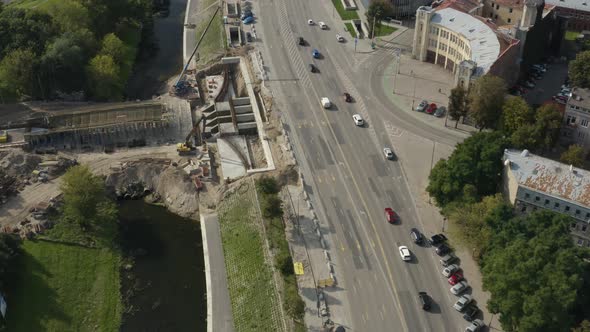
[
  {"x": 293, "y": 303},
  {"x": 272, "y": 207},
  {"x": 285, "y": 264},
  {"x": 267, "y": 185}
]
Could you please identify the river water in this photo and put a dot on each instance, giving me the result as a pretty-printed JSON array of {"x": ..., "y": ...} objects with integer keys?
[{"x": 167, "y": 280}]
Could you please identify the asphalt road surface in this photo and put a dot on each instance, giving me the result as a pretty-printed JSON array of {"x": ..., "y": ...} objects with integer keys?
[{"x": 349, "y": 179}]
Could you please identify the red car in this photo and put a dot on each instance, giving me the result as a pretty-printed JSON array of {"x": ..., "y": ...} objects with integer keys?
[
  {"x": 390, "y": 215},
  {"x": 431, "y": 108},
  {"x": 455, "y": 278}
]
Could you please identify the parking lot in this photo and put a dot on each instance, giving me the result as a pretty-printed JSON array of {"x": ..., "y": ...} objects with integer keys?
[{"x": 548, "y": 86}]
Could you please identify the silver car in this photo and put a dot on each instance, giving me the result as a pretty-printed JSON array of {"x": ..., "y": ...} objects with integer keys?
[
  {"x": 475, "y": 326},
  {"x": 447, "y": 271},
  {"x": 462, "y": 302},
  {"x": 422, "y": 106},
  {"x": 459, "y": 288},
  {"x": 388, "y": 153}
]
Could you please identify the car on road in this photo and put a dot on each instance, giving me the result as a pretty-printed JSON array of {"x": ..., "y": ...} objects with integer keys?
[
  {"x": 455, "y": 278},
  {"x": 442, "y": 250},
  {"x": 246, "y": 14},
  {"x": 437, "y": 239},
  {"x": 248, "y": 20},
  {"x": 449, "y": 270},
  {"x": 440, "y": 112},
  {"x": 388, "y": 153},
  {"x": 313, "y": 68},
  {"x": 448, "y": 259},
  {"x": 424, "y": 300},
  {"x": 315, "y": 53},
  {"x": 431, "y": 108},
  {"x": 463, "y": 302},
  {"x": 422, "y": 106},
  {"x": 470, "y": 312},
  {"x": 326, "y": 103},
  {"x": 248, "y": 37},
  {"x": 404, "y": 252},
  {"x": 310, "y": 22},
  {"x": 322, "y": 25},
  {"x": 390, "y": 215},
  {"x": 476, "y": 325},
  {"x": 301, "y": 41},
  {"x": 347, "y": 97},
  {"x": 459, "y": 288},
  {"x": 358, "y": 120},
  {"x": 416, "y": 236},
  {"x": 340, "y": 38}
]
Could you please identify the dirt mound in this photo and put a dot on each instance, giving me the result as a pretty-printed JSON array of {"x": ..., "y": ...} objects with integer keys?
[{"x": 18, "y": 163}]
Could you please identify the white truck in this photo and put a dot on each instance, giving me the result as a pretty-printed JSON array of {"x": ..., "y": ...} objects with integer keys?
[{"x": 326, "y": 102}]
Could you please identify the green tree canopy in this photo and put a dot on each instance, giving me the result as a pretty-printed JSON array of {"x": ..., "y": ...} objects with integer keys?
[
  {"x": 24, "y": 29},
  {"x": 457, "y": 104},
  {"x": 525, "y": 137},
  {"x": 579, "y": 70},
  {"x": 515, "y": 114},
  {"x": 534, "y": 273},
  {"x": 376, "y": 12},
  {"x": 70, "y": 15},
  {"x": 17, "y": 73},
  {"x": 103, "y": 78},
  {"x": 547, "y": 124},
  {"x": 486, "y": 99},
  {"x": 574, "y": 155},
  {"x": 477, "y": 161},
  {"x": 114, "y": 47}
]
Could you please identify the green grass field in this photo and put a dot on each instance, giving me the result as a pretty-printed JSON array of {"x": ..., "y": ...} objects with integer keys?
[
  {"x": 253, "y": 295},
  {"x": 384, "y": 30},
  {"x": 350, "y": 29},
  {"x": 345, "y": 14},
  {"x": 29, "y": 4},
  {"x": 65, "y": 288},
  {"x": 214, "y": 42},
  {"x": 571, "y": 35}
]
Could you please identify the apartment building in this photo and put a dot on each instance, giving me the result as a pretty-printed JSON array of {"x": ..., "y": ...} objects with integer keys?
[{"x": 577, "y": 13}]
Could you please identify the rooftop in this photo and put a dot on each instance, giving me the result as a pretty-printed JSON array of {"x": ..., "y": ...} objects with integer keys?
[
  {"x": 483, "y": 42},
  {"x": 549, "y": 176},
  {"x": 583, "y": 5},
  {"x": 580, "y": 97}
]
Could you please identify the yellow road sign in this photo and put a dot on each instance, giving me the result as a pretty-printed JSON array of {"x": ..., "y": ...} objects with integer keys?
[{"x": 298, "y": 266}]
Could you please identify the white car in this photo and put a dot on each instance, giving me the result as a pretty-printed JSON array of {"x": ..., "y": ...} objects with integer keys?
[
  {"x": 475, "y": 326},
  {"x": 340, "y": 38},
  {"x": 358, "y": 120},
  {"x": 310, "y": 22},
  {"x": 447, "y": 271},
  {"x": 404, "y": 252},
  {"x": 326, "y": 102},
  {"x": 462, "y": 302},
  {"x": 388, "y": 153},
  {"x": 459, "y": 288},
  {"x": 322, "y": 25}
]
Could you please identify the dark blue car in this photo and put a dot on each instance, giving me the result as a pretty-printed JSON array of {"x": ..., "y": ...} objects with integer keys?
[
  {"x": 248, "y": 20},
  {"x": 315, "y": 53}
]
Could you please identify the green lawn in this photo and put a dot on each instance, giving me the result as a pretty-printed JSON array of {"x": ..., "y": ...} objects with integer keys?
[
  {"x": 214, "y": 42},
  {"x": 253, "y": 295},
  {"x": 384, "y": 30},
  {"x": 28, "y": 4},
  {"x": 65, "y": 288},
  {"x": 345, "y": 14},
  {"x": 350, "y": 29},
  {"x": 571, "y": 35}
]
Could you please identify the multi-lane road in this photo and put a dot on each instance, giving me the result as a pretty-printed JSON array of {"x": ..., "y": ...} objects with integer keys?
[{"x": 347, "y": 175}]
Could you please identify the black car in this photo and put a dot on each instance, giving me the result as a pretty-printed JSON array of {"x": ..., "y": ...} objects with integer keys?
[
  {"x": 416, "y": 236},
  {"x": 470, "y": 313},
  {"x": 301, "y": 41},
  {"x": 347, "y": 97},
  {"x": 437, "y": 239},
  {"x": 249, "y": 37},
  {"x": 424, "y": 300},
  {"x": 313, "y": 68},
  {"x": 443, "y": 250}
]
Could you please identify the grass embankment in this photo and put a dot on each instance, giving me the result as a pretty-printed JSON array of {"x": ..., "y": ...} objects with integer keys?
[
  {"x": 384, "y": 30},
  {"x": 350, "y": 29},
  {"x": 345, "y": 14},
  {"x": 214, "y": 42},
  {"x": 253, "y": 295},
  {"x": 29, "y": 4},
  {"x": 64, "y": 287}
]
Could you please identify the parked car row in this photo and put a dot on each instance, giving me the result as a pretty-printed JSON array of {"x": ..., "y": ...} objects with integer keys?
[
  {"x": 565, "y": 92},
  {"x": 534, "y": 73},
  {"x": 431, "y": 109}
]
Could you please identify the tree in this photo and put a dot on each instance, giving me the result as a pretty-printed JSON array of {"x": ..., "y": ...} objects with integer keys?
[
  {"x": 534, "y": 273},
  {"x": 70, "y": 15},
  {"x": 82, "y": 192},
  {"x": 525, "y": 137},
  {"x": 486, "y": 99},
  {"x": 103, "y": 78},
  {"x": 574, "y": 155},
  {"x": 114, "y": 47},
  {"x": 547, "y": 124},
  {"x": 515, "y": 114},
  {"x": 17, "y": 73},
  {"x": 583, "y": 327},
  {"x": 476, "y": 161},
  {"x": 579, "y": 70},
  {"x": 458, "y": 104},
  {"x": 267, "y": 185},
  {"x": 24, "y": 29},
  {"x": 376, "y": 12}
]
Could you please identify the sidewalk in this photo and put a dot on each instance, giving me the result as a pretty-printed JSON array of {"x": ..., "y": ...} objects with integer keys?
[
  {"x": 219, "y": 312},
  {"x": 307, "y": 248}
]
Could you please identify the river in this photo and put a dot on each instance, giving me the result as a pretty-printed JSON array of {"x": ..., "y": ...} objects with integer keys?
[{"x": 167, "y": 280}]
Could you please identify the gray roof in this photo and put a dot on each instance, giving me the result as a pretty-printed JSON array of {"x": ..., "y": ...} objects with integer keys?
[
  {"x": 483, "y": 41},
  {"x": 580, "y": 97},
  {"x": 550, "y": 177},
  {"x": 583, "y": 5}
]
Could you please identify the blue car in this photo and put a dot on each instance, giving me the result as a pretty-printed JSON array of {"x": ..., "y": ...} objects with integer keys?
[
  {"x": 315, "y": 53},
  {"x": 248, "y": 20},
  {"x": 245, "y": 15}
]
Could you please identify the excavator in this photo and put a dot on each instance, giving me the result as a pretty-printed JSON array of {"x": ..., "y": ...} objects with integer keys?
[{"x": 188, "y": 147}]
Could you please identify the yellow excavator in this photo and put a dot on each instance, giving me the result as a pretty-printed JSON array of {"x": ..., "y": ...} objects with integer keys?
[{"x": 188, "y": 147}]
